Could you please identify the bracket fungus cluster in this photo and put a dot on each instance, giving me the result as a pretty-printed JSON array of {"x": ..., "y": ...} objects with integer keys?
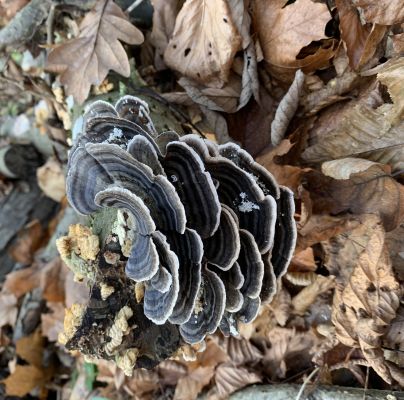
[{"x": 201, "y": 231}]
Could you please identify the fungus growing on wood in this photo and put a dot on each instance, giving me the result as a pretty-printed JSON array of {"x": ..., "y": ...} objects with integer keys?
[{"x": 203, "y": 228}]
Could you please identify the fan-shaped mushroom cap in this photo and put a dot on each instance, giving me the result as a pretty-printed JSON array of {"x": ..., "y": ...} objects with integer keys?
[
  {"x": 186, "y": 172},
  {"x": 189, "y": 249},
  {"x": 142, "y": 150},
  {"x": 268, "y": 289},
  {"x": 116, "y": 166},
  {"x": 223, "y": 247},
  {"x": 164, "y": 138},
  {"x": 285, "y": 234},
  {"x": 233, "y": 280},
  {"x": 162, "y": 292},
  {"x": 143, "y": 261},
  {"x": 117, "y": 197},
  {"x": 251, "y": 265},
  {"x": 136, "y": 110},
  {"x": 209, "y": 309},
  {"x": 237, "y": 189},
  {"x": 249, "y": 310}
]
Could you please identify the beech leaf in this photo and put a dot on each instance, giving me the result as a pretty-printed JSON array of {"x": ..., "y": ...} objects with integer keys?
[
  {"x": 363, "y": 310},
  {"x": 201, "y": 53},
  {"x": 86, "y": 60},
  {"x": 371, "y": 191},
  {"x": 360, "y": 40},
  {"x": 284, "y": 30},
  {"x": 230, "y": 378},
  {"x": 383, "y": 12}
]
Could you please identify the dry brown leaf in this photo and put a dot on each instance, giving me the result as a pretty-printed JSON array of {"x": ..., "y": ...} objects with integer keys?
[
  {"x": 52, "y": 321},
  {"x": 8, "y": 8},
  {"x": 143, "y": 381},
  {"x": 49, "y": 277},
  {"x": 372, "y": 191},
  {"x": 230, "y": 378},
  {"x": 281, "y": 306},
  {"x": 345, "y": 167},
  {"x": 286, "y": 175},
  {"x": 30, "y": 239},
  {"x": 383, "y": 12},
  {"x": 323, "y": 227},
  {"x": 22, "y": 281},
  {"x": 242, "y": 20},
  {"x": 391, "y": 75},
  {"x": 341, "y": 252},
  {"x": 164, "y": 14},
  {"x": 306, "y": 297},
  {"x": 171, "y": 371},
  {"x": 52, "y": 280},
  {"x": 363, "y": 309},
  {"x": 394, "y": 337},
  {"x": 360, "y": 40},
  {"x": 286, "y": 109},
  {"x": 51, "y": 179},
  {"x": 241, "y": 351},
  {"x": 189, "y": 386},
  {"x": 30, "y": 348},
  {"x": 204, "y": 55},
  {"x": 23, "y": 379},
  {"x": 364, "y": 128},
  {"x": 216, "y": 99},
  {"x": 248, "y": 124},
  {"x": 303, "y": 261},
  {"x": 287, "y": 350},
  {"x": 284, "y": 30},
  {"x": 86, "y": 60},
  {"x": 394, "y": 242},
  {"x": 8, "y": 309},
  {"x": 398, "y": 44}
]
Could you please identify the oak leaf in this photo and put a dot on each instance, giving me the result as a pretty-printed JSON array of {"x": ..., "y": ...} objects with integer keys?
[
  {"x": 86, "y": 60},
  {"x": 204, "y": 42}
]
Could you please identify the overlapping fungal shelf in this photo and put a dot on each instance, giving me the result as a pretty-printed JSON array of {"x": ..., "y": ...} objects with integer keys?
[{"x": 212, "y": 230}]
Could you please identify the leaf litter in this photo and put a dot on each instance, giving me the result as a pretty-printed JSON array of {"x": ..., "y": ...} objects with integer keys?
[{"x": 312, "y": 89}]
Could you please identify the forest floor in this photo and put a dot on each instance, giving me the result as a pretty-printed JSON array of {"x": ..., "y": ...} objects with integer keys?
[{"x": 313, "y": 90}]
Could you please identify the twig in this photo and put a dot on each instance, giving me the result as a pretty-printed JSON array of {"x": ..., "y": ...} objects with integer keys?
[
  {"x": 133, "y": 6},
  {"x": 306, "y": 381},
  {"x": 49, "y": 25}
]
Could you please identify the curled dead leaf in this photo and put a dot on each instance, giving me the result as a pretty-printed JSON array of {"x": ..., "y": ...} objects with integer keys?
[
  {"x": 51, "y": 179},
  {"x": 384, "y": 12},
  {"x": 284, "y": 30},
  {"x": 360, "y": 40},
  {"x": 286, "y": 109},
  {"x": 306, "y": 297},
  {"x": 204, "y": 55}
]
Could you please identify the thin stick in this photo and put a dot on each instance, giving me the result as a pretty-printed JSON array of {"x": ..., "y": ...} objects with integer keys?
[
  {"x": 315, "y": 370},
  {"x": 133, "y": 6}
]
